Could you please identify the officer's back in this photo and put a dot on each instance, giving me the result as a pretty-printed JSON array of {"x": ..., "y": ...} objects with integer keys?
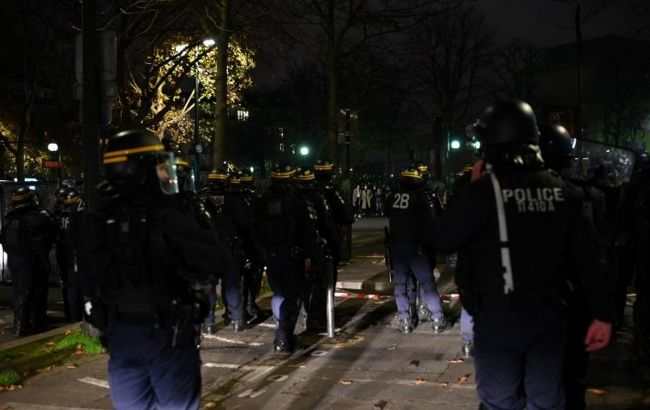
[{"x": 521, "y": 225}]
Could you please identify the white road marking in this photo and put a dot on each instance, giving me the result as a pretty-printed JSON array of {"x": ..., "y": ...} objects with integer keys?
[
  {"x": 272, "y": 325},
  {"x": 256, "y": 373},
  {"x": 95, "y": 382},
  {"x": 222, "y": 365},
  {"x": 245, "y": 393},
  {"x": 257, "y": 393},
  {"x": 233, "y": 341}
]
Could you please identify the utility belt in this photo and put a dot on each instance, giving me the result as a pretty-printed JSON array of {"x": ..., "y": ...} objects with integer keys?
[{"x": 514, "y": 301}]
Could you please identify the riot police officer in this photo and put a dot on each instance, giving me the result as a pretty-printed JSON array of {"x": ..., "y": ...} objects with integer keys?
[
  {"x": 315, "y": 289},
  {"x": 27, "y": 236},
  {"x": 68, "y": 221},
  {"x": 145, "y": 255},
  {"x": 410, "y": 210},
  {"x": 341, "y": 213},
  {"x": 522, "y": 225},
  {"x": 288, "y": 233},
  {"x": 250, "y": 269},
  {"x": 232, "y": 223}
]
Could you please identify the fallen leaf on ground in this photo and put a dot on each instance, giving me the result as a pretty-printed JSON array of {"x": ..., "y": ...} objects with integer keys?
[
  {"x": 419, "y": 382},
  {"x": 443, "y": 384},
  {"x": 596, "y": 391},
  {"x": 49, "y": 344},
  {"x": 71, "y": 366},
  {"x": 345, "y": 381},
  {"x": 455, "y": 361},
  {"x": 392, "y": 347},
  {"x": 210, "y": 404},
  {"x": 67, "y": 332},
  {"x": 464, "y": 379},
  {"x": 415, "y": 363},
  {"x": 45, "y": 369}
]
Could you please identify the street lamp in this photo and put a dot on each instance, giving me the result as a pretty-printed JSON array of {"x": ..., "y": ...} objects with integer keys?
[
  {"x": 198, "y": 148},
  {"x": 454, "y": 144},
  {"x": 54, "y": 147},
  {"x": 304, "y": 151}
]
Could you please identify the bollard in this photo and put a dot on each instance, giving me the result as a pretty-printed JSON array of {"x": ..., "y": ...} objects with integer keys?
[{"x": 331, "y": 333}]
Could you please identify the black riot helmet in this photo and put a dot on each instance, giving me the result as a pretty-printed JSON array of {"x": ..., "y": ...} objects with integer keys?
[
  {"x": 60, "y": 194},
  {"x": 246, "y": 177},
  {"x": 508, "y": 122},
  {"x": 235, "y": 178},
  {"x": 282, "y": 174},
  {"x": 185, "y": 175},
  {"x": 305, "y": 176},
  {"x": 218, "y": 177},
  {"x": 423, "y": 168},
  {"x": 324, "y": 170},
  {"x": 412, "y": 176},
  {"x": 72, "y": 199},
  {"x": 556, "y": 145},
  {"x": 22, "y": 197},
  {"x": 136, "y": 159}
]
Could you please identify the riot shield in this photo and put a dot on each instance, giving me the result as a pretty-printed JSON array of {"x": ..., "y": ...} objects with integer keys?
[{"x": 601, "y": 164}]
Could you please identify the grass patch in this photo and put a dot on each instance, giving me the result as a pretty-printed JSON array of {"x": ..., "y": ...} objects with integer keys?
[
  {"x": 79, "y": 341},
  {"x": 21, "y": 362}
]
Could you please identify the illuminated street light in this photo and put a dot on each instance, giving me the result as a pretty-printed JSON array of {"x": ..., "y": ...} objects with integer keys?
[
  {"x": 54, "y": 147},
  {"x": 304, "y": 151},
  {"x": 209, "y": 42},
  {"x": 454, "y": 144}
]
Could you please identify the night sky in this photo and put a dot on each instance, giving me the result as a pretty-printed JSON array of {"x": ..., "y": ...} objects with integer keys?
[{"x": 549, "y": 22}]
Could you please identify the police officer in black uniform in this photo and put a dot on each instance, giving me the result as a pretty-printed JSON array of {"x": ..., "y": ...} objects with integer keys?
[
  {"x": 341, "y": 214},
  {"x": 144, "y": 257},
  {"x": 424, "y": 314},
  {"x": 410, "y": 211},
  {"x": 315, "y": 289},
  {"x": 233, "y": 224},
  {"x": 27, "y": 236},
  {"x": 68, "y": 221},
  {"x": 243, "y": 188},
  {"x": 288, "y": 233},
  {"x": 522, "y": 225}
]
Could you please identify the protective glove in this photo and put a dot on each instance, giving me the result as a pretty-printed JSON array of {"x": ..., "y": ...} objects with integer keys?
[{"x": 598, "y": 335}]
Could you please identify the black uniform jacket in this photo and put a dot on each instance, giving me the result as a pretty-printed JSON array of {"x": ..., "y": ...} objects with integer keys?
[{"x": 547, "y": 232}]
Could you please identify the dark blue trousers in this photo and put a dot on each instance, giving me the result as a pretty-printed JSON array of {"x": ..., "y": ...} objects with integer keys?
[
  {"x": 519, "y": 358},
  {"x": 146, "y": 372},
  {"x": 407, "y": 259},
  {"x": 287, "y": 280}
]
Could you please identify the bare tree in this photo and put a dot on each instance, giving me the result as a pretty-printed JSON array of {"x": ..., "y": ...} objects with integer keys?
[
  {"x": 37, "y": 72},
  {"x": 448, "y": 55},
  {"x": 334, "y": 30},
  {"x": 515, "y": 70}
]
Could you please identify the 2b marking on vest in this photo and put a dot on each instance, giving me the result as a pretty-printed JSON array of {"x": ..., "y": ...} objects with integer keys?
[{"x": 534, "y": 199}]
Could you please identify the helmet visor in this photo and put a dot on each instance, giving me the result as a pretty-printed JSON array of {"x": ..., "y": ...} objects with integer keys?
[
  {"x": 186, "y": 179},
  {"x": 166, "y": 173}
]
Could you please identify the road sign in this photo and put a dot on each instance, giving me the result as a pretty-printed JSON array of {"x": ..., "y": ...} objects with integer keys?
[{"x": 48, "y": 163}]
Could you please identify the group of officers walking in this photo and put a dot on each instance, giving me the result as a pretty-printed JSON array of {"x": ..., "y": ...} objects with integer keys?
[
  {"x": 143, "y": 267},
  {"x": 152, "y": 252}
]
